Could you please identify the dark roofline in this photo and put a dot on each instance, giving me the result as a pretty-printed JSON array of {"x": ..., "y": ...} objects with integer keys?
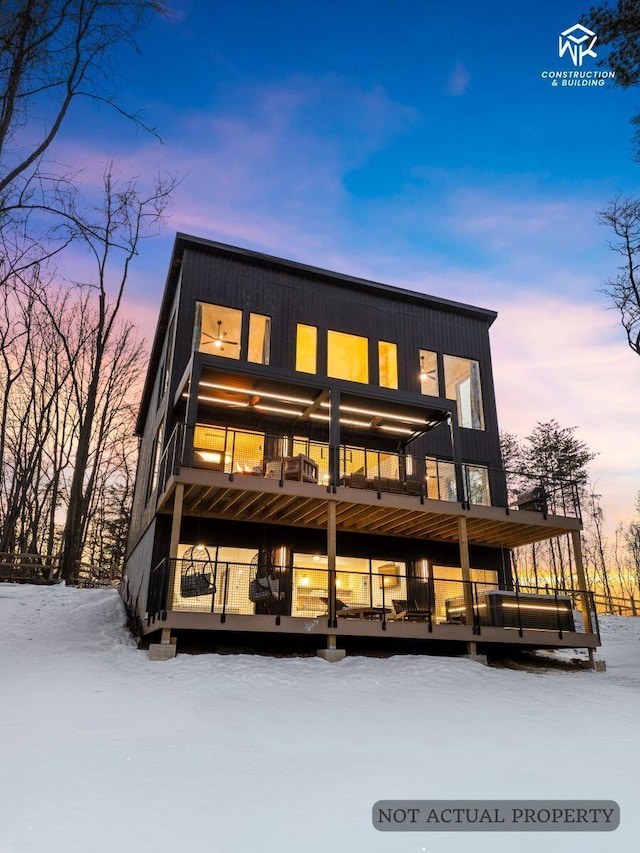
[
  {"x": 359, "y": 283},
  {"x": 182, "y": 241}
]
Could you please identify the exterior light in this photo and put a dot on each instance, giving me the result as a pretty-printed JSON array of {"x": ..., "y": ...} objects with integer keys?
[
  {"x": 223, "y": 401},
  {"x": 276, "y": 410},
  {"x": 399, "y": 430},
  {"x": 377, "y": 414},
  {"x": 269, "y": 395}
]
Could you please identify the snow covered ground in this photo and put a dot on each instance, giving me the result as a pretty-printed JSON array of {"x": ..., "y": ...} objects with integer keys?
[{"x": 102, "y": 750}]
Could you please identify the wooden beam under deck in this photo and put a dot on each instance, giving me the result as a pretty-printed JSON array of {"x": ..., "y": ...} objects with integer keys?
[
  {"x": 400, "y": 630},
  {"x": 245, "y": 498}
]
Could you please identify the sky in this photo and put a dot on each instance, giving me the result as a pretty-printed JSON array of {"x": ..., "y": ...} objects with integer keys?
[{"x": 413, "y": 143}]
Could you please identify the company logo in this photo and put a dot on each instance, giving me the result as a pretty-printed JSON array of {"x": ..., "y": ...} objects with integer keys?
[{"x": 578, "y": 42}]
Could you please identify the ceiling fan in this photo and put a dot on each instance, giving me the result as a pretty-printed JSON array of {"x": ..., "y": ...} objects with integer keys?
[
  {"x": 424, "y": 373},
  {"x": 219, "y": 340}
]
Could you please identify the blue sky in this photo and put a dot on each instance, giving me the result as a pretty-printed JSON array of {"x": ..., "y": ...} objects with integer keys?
[{"x": 414, "y": 143}]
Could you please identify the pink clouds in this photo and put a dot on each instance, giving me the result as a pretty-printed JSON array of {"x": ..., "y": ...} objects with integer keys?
[{"x": 556, "y": 358}]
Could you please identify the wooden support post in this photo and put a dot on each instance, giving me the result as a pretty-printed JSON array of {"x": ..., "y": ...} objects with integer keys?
[
  {"x": 334, "y": 438},
  {"x": 582, "y": 581},
  {"x": 176, "y": 522},
  {"x": 331, "y": 559},
  {"x": 463, "y": 544}
]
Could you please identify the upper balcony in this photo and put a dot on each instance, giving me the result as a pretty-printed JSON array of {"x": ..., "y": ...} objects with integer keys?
[{"x": 251, "y": 475}]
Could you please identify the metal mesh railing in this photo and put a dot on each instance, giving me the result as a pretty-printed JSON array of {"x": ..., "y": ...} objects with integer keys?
[
  {"x": 242, "y": 452},
  {"x": 382, "y": 596}
]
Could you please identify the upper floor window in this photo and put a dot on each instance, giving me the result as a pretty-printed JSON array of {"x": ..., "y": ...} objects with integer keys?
[
  {"x": 154, "y": 466},
  {"x": 462, "y": 381},
  {"x": 306, "y": 348},
  {"x": 347, "y": 357},
  {"x": 388, "y": 364},
  {"x": 259, "y": 338},
  {"x": 429, "y": 373},
  {"x": 218, "y": 330},
  {"x": 165, "y": 370}
]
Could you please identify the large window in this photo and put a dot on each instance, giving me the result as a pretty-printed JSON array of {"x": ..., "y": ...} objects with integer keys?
[
  {"x": 450, "y": 590},
  {"x": 228, "y": 569},
  {"x": 259, "y": 338},
  {"x": 362, "y": 585},
  {"x": 388, "y": 364},
  {"x": 218, "y": 330},
  {"x": 441, "y": 480},
  {"x": 462, "y": 380},
  {"x": 228, "y": 450},
  {"x": 428, "y": 373},
  {"x": 347, "y": 357},
  {"x": 306, "y": 348},
  {"x": 165, "y": 370}
]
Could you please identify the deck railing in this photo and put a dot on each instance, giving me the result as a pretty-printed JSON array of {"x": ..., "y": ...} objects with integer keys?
[
  {"x": 238, "y": 452},
  {"x": 383, "y": 596}
]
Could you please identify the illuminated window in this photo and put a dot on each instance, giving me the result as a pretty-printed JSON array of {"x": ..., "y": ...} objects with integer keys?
[
  {"x": 228, "y": 450},
  {"x": 259, "y": 338},
  {"x": 231, "y": 572},
  {"x": 441, "y": 480},
  {"x": 388, "y": 364},
  {"x": 449, "y": 589},
  {"x": 218, "y": 329},
  {"x": 347, "y": 357},
  {"x": 462, "y": 380},
  {"x": 306, "y": 348},
  {"x": 428, "y": 373}
]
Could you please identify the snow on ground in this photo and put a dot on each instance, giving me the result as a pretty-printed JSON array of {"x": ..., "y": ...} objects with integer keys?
[{"x": 102, "y": 750}]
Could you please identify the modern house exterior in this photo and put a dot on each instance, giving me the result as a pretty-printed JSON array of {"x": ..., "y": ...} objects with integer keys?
[{"x": 319, "y": 457}]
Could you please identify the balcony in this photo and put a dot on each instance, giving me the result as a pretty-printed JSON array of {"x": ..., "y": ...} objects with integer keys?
[
  {"x": 208, "y": 594},
  {"x": 245, "y": 456}
]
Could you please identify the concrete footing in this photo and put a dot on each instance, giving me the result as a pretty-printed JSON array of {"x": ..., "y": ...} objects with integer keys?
[
  {"x": 332, "y": 655},
  {"x": 599, "y": 666},
  {"x": 162, "y": 651},
  {"x": 474, "y": 656}
]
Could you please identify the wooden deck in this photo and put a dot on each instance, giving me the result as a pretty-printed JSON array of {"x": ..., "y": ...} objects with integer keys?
[{"x": 243, "y": 497}]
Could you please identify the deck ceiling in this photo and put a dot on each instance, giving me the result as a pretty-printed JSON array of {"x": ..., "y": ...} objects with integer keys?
[
  {"x": 299, "y": 403},
  {"x": 361, "y": 512}
]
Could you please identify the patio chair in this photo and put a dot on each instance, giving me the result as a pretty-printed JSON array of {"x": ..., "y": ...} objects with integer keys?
[{"x": 409, "y": 610}]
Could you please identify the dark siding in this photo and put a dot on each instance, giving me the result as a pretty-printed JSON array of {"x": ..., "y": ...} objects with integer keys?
[{"x": 290, "y": 298}]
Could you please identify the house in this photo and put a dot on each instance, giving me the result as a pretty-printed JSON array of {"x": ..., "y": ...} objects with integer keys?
[{"x": 319, "y": 458}]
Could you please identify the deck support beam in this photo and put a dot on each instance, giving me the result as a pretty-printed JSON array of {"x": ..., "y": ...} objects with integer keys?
[
  {"x": 331, "y": 560},
  {"x": 582, "y": 581},
  {"x": 176, "y": 522},
  {"x": 463, "y": 544}
]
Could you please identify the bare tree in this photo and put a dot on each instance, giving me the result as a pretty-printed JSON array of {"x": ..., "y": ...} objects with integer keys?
[
  {"x": 112, "y": 238},
  {"x": 622, "y": 216},
  {"x": 53, "y": 52}
]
